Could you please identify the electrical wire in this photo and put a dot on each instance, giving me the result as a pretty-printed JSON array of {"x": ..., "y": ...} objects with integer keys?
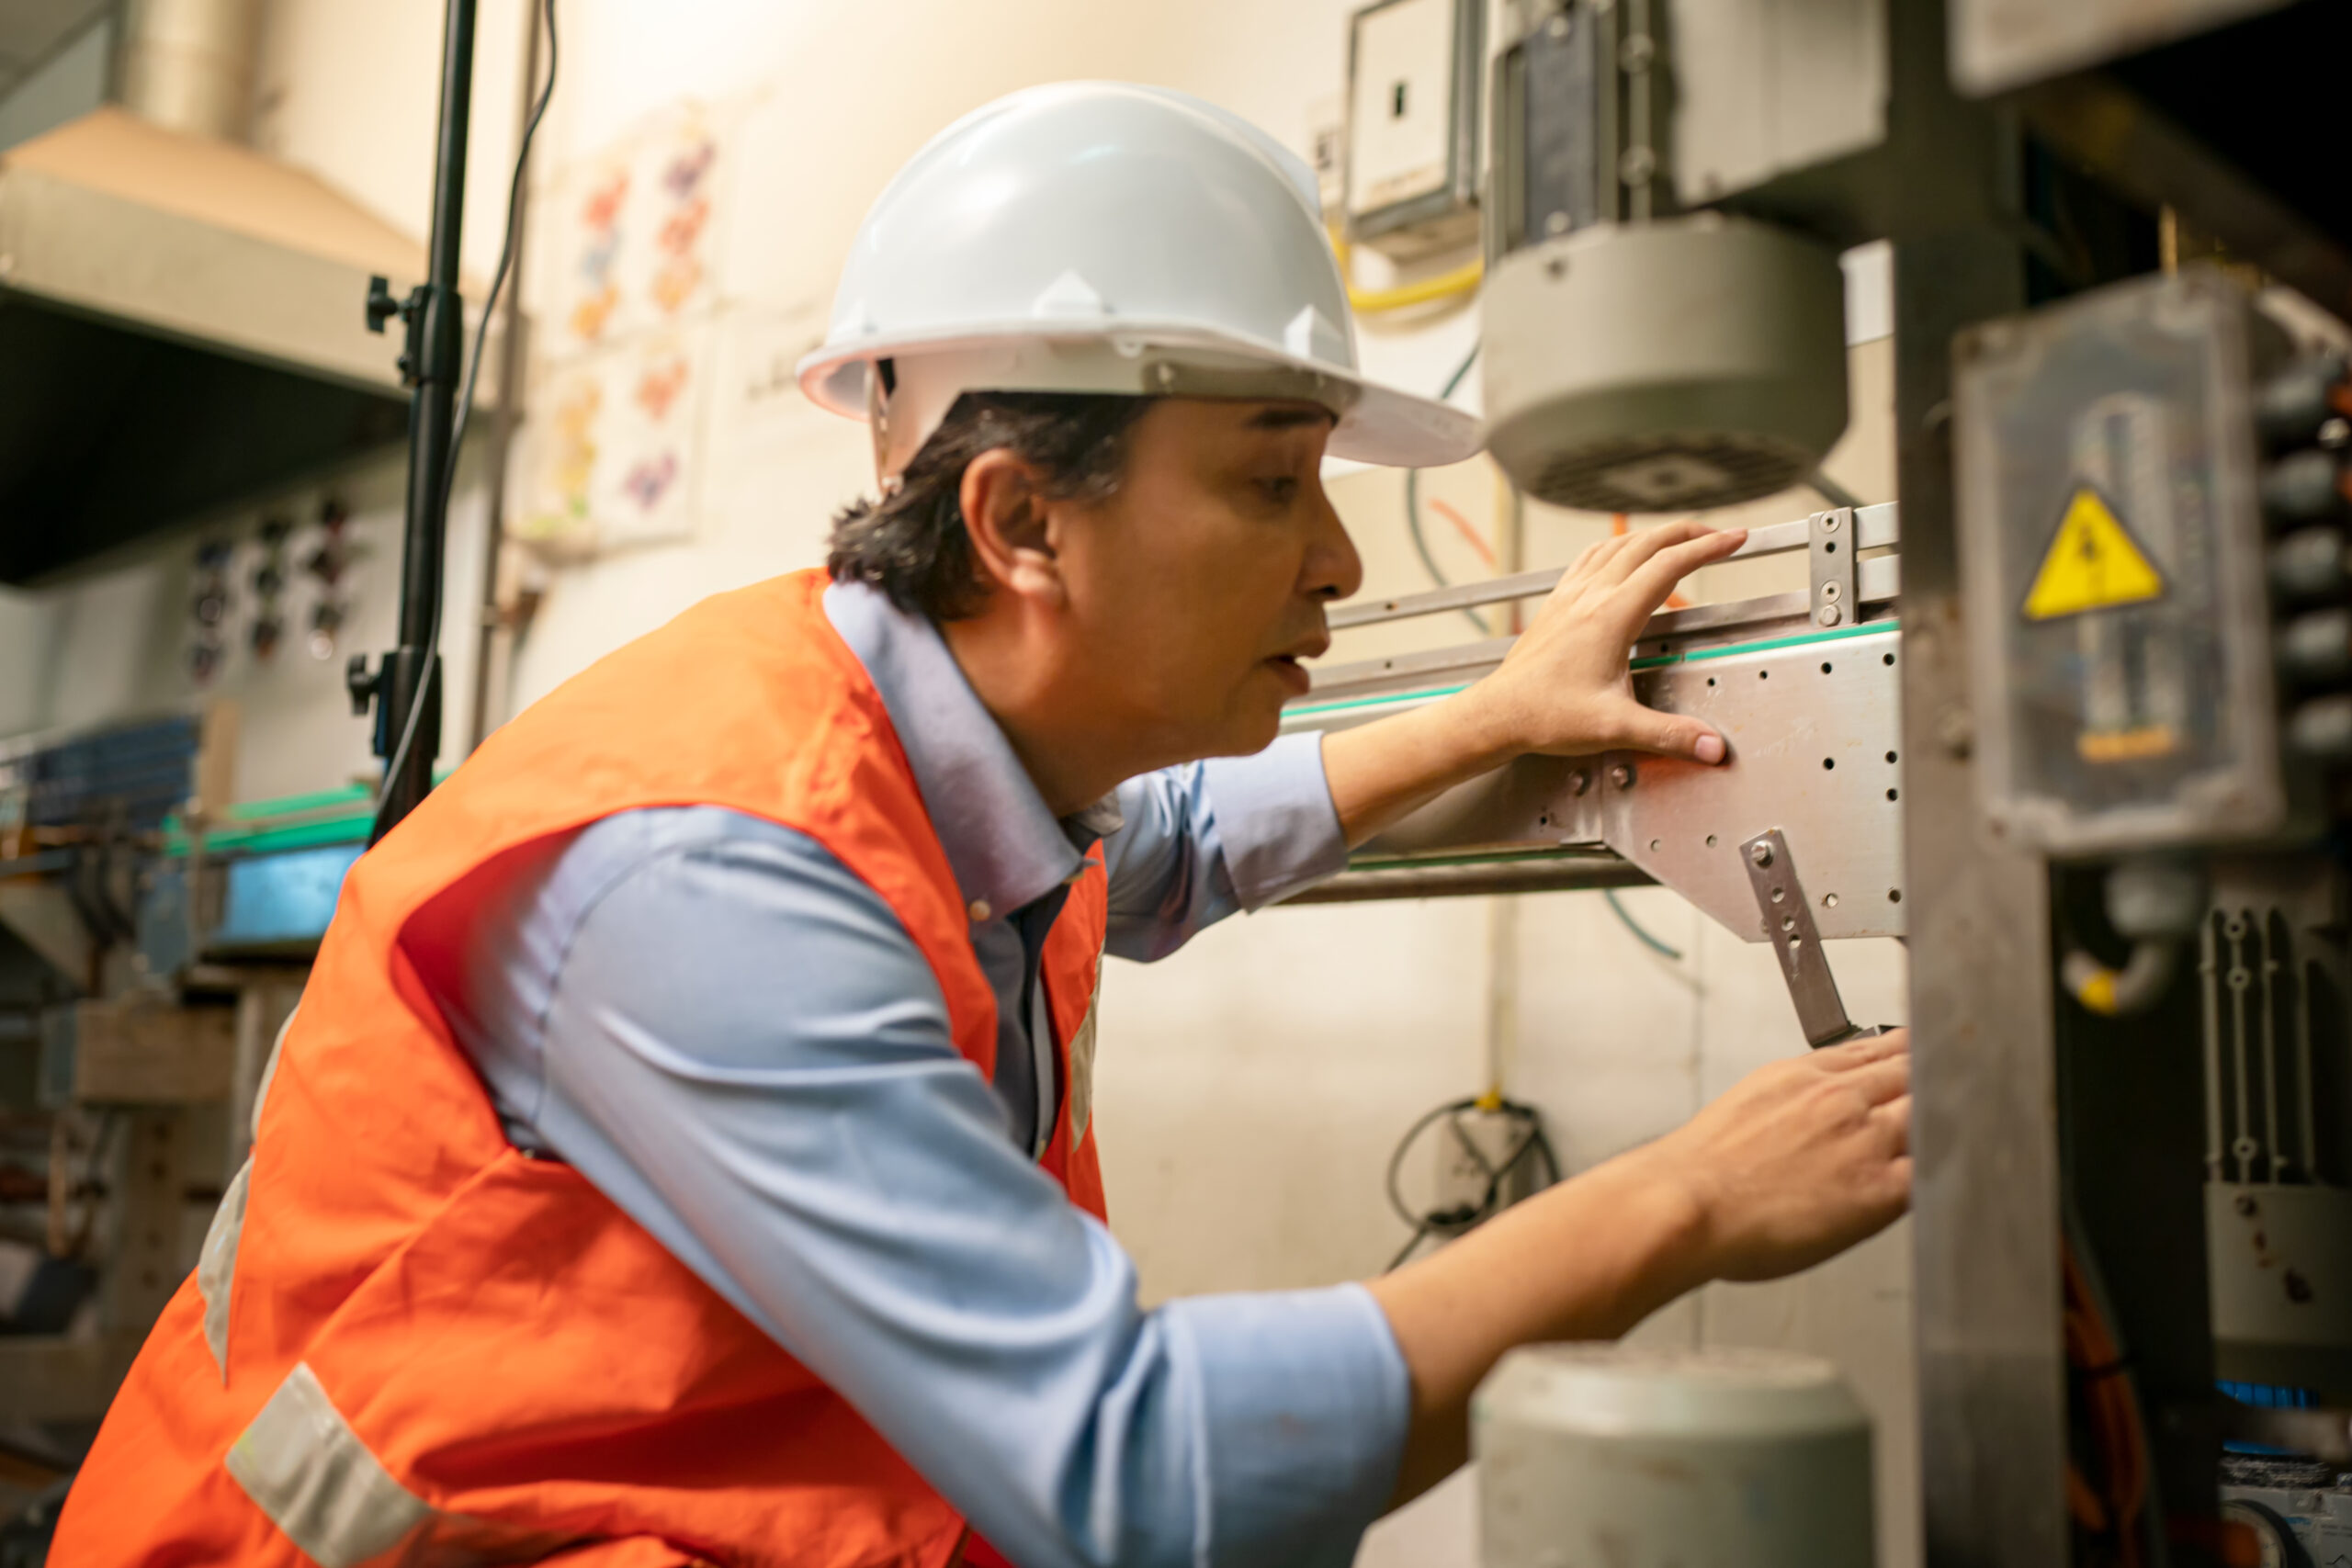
[
  {"x": 1463, "y": 279},
  {"x": 1641, "y": 933},
  {"x": 1470, "y": 537},
  {"x": 1413, "y": 527},
  {"x": 1533, "y": 1145},
  {"x": 1830, "y": 490},
  {"x": 2113, "y": 1502},
  {"x": 418, "y": 703}
]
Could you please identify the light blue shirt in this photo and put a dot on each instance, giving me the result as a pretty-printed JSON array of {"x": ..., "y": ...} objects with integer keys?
[{"x": 733, "y": 1038}]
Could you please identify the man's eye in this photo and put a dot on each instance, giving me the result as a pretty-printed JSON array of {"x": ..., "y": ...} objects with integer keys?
[{"x": 1281, "y": 491}]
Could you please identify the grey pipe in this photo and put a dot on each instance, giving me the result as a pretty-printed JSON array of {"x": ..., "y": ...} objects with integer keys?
[{"x": 188, "y": 65}]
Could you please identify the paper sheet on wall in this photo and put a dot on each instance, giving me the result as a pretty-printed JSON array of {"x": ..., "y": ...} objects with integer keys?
[{"x": 616, "y": 432}]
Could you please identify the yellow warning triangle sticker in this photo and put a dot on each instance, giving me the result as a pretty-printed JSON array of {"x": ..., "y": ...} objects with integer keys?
[{"x": 2092, "y": 563}]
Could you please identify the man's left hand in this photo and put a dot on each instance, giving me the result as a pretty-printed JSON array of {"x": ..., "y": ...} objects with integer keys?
[{"x": 1565, "y": 687}]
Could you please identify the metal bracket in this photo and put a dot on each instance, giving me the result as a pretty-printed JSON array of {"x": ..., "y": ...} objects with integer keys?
[
  {"x": 1788, "y": 925},
  {"x": 1831, "y": 541}
]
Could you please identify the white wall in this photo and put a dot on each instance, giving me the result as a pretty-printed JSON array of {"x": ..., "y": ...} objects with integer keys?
[{"x": 1251, "y": 1088}]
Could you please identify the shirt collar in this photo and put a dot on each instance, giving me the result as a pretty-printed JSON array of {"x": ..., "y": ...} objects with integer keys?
[{"x": 1004, "y": 842}]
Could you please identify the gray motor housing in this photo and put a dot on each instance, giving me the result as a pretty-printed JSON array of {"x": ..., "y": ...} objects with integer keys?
[{"x": 1668, "y": 367}]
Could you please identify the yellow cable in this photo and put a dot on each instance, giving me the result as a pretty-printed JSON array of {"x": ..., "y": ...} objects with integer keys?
[{"x": 1463, "y": 279}]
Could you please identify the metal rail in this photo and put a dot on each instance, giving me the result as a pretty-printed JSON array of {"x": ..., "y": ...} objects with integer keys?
[
  {"x": 1881, "y": 583},
  {"x": 1874, "y": 527}
]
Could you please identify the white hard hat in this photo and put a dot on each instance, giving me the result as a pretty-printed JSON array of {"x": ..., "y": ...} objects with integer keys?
[{"x": 1102, "y": 237}]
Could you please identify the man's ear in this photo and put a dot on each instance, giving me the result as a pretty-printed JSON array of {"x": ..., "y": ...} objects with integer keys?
[{"x": 1005, "y": 517}]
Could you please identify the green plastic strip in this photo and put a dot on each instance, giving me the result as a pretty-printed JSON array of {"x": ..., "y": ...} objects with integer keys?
[
  {"x": 1500, "y": 857},
  {"x": 296, "y": 805},
  {"x": 342, "y": 816},
  {"x": 1698, "y": 654},
  {"x": 1378, "y": 702},
  {"x": 1655, "y": 662}
]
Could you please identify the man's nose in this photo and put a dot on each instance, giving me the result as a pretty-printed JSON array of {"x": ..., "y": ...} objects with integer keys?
[{"x": 1333, "y": 570}]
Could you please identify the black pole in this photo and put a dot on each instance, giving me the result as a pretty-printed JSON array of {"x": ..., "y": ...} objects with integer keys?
[{"x": 409, "y": 736}]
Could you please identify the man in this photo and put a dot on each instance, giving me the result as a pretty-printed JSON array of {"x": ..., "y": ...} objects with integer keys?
[{"x": 683, "y": 1151}]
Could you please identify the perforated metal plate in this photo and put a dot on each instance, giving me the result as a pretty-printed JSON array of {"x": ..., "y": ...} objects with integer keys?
[{"x": 1813, "y": 725}]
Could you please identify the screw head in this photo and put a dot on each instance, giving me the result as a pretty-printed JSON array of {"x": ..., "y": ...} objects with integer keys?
[
  {"x": 1622, "y": 776},
  {"x": 1580, "y": 782},
  {"x": 1829, "y": 523},
  {"x": 1956, "y": 729},
  {"x": 1828, "y": 615},
  {"x": 1832, "y": 592},
  {"x": 1761, "y": 854}
]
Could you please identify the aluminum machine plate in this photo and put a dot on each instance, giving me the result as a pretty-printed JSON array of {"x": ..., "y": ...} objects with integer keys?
[{"x": 1809, "y": 708}]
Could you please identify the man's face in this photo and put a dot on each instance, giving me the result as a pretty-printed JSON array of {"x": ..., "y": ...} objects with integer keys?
[{"x": 1195, "y": 590}]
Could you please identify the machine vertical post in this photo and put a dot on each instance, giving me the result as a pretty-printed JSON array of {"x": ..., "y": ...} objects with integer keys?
[{"x": 1986, "y": 1200}]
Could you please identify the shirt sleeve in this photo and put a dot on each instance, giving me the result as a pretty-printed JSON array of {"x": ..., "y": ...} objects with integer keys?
[
  {"x": 743, "y": 1049},
  {"x": 1199, "y": 841}
]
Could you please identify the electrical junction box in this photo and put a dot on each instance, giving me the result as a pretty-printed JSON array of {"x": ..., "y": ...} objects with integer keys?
[
  {"x": 2113, "y": 557},
  {"x": 1414, "y": 68},
  {"x": 1475, "y": 1147}
]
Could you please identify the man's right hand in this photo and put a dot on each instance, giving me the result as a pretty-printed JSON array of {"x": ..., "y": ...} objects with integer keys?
[{"x": 1799, "y": 1160}]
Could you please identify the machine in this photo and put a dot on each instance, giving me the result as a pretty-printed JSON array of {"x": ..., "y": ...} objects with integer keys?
[
  {"x": 2074, "y": 712},
  {"x": 153, "y": 940}
]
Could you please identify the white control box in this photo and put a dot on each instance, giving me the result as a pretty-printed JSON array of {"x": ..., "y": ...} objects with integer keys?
[{"x": 1412, "y": 141}]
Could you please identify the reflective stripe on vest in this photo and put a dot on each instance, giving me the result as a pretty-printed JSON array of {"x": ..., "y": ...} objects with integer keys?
[
  {"x": 584, "y": 1389},
  {"x": 216, "y": 1269},
  {"x": 1081, "y": 1065},
  {"x": 302, "y": 1465}
]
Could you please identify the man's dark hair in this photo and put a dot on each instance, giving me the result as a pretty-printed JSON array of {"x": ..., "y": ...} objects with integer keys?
[{"x": 911, "y": 544}]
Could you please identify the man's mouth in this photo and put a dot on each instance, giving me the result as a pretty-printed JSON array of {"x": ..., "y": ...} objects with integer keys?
[{"x": 1292, "y": 671}]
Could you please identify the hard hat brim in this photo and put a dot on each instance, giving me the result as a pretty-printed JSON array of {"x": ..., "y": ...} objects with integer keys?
[{"x": 1376, "y": 425}]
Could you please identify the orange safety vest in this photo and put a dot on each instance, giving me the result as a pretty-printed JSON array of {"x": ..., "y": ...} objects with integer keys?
[{"x": 408, "y": 1343}]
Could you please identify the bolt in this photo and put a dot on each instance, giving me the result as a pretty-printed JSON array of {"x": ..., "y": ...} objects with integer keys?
[
  {"x": 1622, "y": 776},
  {"x": 1760, "y": 853},
  {"x": 1637, "y": 53},
  {"x": 1956, "y": 731},
  {"x": 1637, "y": 165},
  {"x": 1580, "y": 782},
  {"x": 1829, "y": 615},
  {"x": 1556, "y": 223},
  {"x": 1558, "y": 26}
]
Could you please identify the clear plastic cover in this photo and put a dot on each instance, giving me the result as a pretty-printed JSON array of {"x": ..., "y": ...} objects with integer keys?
[{"x": 2111, "y": 545}]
